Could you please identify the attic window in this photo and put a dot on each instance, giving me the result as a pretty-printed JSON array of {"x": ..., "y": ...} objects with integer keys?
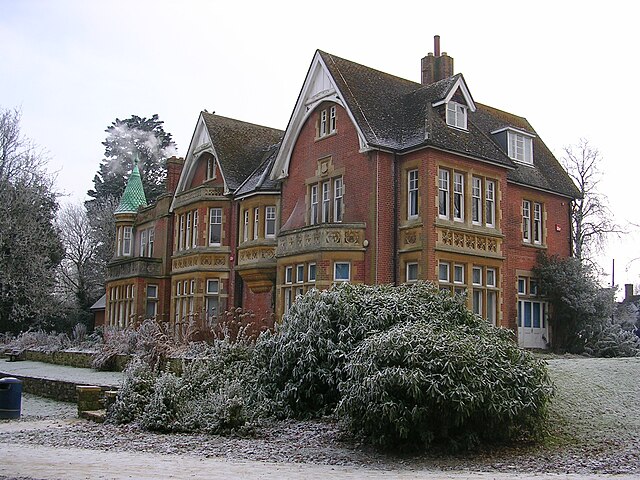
[
  {"x": 211, "y": 168},
  {"x": 457, "y": 115},
  {"x": 520, "y": 147},
  {"x": 327, "y": 122}
]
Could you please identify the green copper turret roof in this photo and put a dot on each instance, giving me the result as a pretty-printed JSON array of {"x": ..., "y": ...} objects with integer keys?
[{"x": 133, "y": 196}]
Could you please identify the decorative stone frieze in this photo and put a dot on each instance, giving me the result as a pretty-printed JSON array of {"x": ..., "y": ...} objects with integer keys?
[
  {"x": 257, "y": 254},
  {"x": 206, "y": 261},
  {"x": 473, "y": 243},
  {"x": 321, "y": 237},
  {"x": 134, "y": 267}
]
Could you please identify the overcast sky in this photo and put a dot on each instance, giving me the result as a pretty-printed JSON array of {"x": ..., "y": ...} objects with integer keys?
[{"x": 73, "y": 67}]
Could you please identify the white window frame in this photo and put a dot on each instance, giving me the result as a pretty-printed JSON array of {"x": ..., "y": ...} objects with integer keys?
[
  {"x": 443, "y": 193},
  {"x": 491, "y": 273},
  {"x": 300, "y": 273},
  {"x": 313, "y": 201},
  {"x": 522, "y": 285},
  {"x": 269, "y": 221},
  {"x": 127, "y": 233},
  {"x": 215, "y": 221},
  {"x": 152, "y": 300},
  {"x": 187, "y": 232},
  {"x": 526, "y": 221},
  {"x": 311, "y": 268},
  {"x": 143, "y": 243},
  {"x": 326, "y": 202},
  {"x": 322, "y": 132},
  {"x": 490, "y": 203},
  {"x": 288, "y": 275},
  {"x": 446, "y": 270},
  {"x": 256, "y": 222},
  {"x": 520, "y": 147},
  {"x": 458, "y": 268},
  {"x": 457, "y": 115},
  {"x": 412, "y": 194},
  {"x": 211, "y": 168},
  {"x": 194, "y": 233},
  {"x": 458, "y": 197},
  {"x": 476, "y": 201},
  {"x": 338, "y": 203},
  {"x": 245, "y": 227},
  {"x": 537, "y": 223},
  {"x": 212, "y": 296},
  {"x": 335, "y": 272},
  {"x": 152, "y": 236},
  {"x": 409, "y": 277},
  {"x": 476, "y": 282},
  {"x": 332, "y": 120}
]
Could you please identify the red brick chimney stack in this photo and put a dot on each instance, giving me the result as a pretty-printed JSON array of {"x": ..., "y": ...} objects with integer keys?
[
  {"x": 174, "y": 169},
  {"x": 435, "y": 66}
]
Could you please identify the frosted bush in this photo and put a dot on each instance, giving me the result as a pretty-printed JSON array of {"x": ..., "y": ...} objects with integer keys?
[{"x": 135, "y": 393}]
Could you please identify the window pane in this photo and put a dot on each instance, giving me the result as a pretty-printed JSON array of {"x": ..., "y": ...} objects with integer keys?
[
  {"x": 536, "y": 314},
  {"x": 477, "y": 302},
  {"x": 312, "y": 272},
  {"x": 491, "y": 277},
  {"x": 477, "y": 276},
  {"x": 443, "y": 272},
  {"x": 300, "y": 273},
  {"x": 491, "y": 307},
  {"x": 215, "y": 226},
  {"x": 341, "y": 271},
  {"x": 412, "y": 272},
  {"x": 458, "y": 273},
  {"x": 527, "y": 314}
]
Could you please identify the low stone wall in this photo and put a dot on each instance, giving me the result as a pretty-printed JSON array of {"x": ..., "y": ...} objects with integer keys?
[{"x": 63, "y": 357}]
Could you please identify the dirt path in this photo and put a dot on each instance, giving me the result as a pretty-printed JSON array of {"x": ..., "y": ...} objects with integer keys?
[{"x": 79, "y": 464}]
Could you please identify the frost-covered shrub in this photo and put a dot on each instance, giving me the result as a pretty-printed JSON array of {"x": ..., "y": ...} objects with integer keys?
[
  {"x": 452, "y": 382},
  {"x": 135, "y": 393},
  {"x": 210, "y": 395},
  {"x": 306, "y": 355}
]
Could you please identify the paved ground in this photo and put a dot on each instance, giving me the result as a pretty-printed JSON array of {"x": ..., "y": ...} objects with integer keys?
[{"x": 86, "y": 376}]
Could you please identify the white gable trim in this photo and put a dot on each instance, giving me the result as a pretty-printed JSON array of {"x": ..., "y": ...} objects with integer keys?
[
  {"x": 319, "y": 86},
  {"x": 200, "y": 143},
  {"x": 462, "y": 85},
  {"x": 514, "y": 129}
]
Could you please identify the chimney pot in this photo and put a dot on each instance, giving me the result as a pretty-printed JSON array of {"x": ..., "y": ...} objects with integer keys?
[
  {"x": 628, "y": 291},
  {"x": 436, "y": 45}
]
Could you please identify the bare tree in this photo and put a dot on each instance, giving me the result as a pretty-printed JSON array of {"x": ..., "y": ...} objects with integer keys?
[
  {"x": 592, "y": 220},
  {"x": 80, "y": 275}
]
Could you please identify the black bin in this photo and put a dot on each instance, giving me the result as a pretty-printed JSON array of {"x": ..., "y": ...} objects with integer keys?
[{"x": 10, "y": 397}]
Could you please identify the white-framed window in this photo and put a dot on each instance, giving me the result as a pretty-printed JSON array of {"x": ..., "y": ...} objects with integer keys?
[
  {"x": 288, "y": 275},
  {"x": 526, "y": 221},
  {"x": 412, "y": 272},
  {"x": 412, "y": 194},
  {"x": 143, "y": 243},
  {"x": 476, "y": 274},
  {"x": 313, "y": 213},
  {"x": 323, "y": 123},
  {"x": 300, "y": 273},
  {"x": 520, "y": 147},
  {"x": 152, "y": 301},
  {"x": 537, "y": 223},
  {"x": 245, "y": 226},
  {"x": 476, "y": 301},
  {"x": 287, "y": 299},
  {"x": 476, "y": 201},
  {"x": 215, "y": 227},
  {"x": 256, "y": 222},
  {"x": 187, "y": 239},
  {"x": 490, "y": 203},
  {"x": 181, "y": 233},
  {"x": 522, "y": 286},
  {"x": 194, "y": 233},
  {"x": 326, "y": 201},
  {"x": 332, "y": 119},
  {"x": 443, "y": 193},
  {"x": 492, "y": 306},
  {"x": 270, "y": 221},
  {"x": 126, "y": 241},
  {"x": 491, "y": 277},
  {"x": 211, "y": 168},
  {"x": 443, "y": 272},
  {"x": 457, "y": 115},
  {"x": 341, "y": 271},
  {"x": 152, "y": 236},
  {"x": 458, "y": 196},
  {"x": 311, "y": 268},
  {"x": 338, "y": 192},
  {"x": 212, "y": 301},
  {"x": 458, "y": 273}
]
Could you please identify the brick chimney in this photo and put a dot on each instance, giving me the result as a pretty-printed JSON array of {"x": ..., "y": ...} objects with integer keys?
[
  {"x": 436, "y": 66},
  {"x": 174, "y": 169},
  {"x": 628, "y": 291}
]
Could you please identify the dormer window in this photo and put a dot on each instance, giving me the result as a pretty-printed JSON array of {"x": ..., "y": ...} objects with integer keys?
[
  {"x": 457, "y": 115},
  {"x": 520, "y": 147}
]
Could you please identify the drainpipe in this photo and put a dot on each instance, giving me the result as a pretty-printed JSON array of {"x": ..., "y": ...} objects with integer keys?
[{"x": 395, "y": 219}]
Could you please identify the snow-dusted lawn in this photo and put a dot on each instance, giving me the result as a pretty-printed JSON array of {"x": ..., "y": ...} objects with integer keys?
[{"x": 597, "y": 399}]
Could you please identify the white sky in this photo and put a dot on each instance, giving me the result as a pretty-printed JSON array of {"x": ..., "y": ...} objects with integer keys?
[{"x": 74, "y": 66}]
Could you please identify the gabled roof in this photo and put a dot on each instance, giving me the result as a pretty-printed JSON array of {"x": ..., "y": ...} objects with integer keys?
[
  {"x": 398, "y": 115},
  {"x": 238, "y": 148},
  {"x": 259, "y": 181},
  {"x": 133, "y": 196}
]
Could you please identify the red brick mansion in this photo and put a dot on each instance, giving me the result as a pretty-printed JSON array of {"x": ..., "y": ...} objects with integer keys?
[{"x": 376, "y": 179}]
